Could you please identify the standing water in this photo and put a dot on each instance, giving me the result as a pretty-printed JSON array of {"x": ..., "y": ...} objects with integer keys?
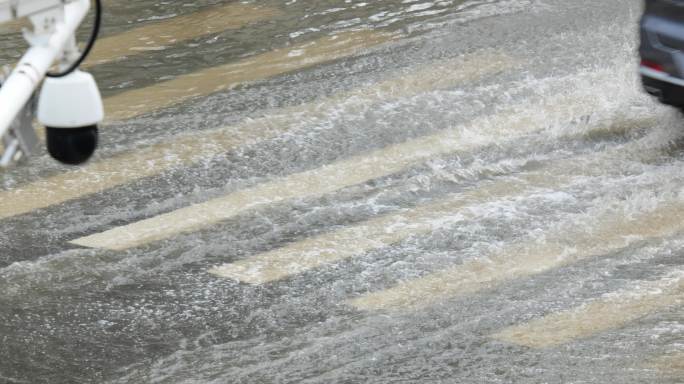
[{"x": 347, "y": 192}]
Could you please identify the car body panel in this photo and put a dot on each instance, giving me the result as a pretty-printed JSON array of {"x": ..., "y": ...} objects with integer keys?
[{"x": 662, "y": 50}]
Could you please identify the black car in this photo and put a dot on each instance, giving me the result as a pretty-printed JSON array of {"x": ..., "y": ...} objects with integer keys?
[{"x": 662, "y": 50}]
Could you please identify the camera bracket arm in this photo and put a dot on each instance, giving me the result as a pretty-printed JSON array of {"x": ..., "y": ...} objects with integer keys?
[
  {"x": 52, "y": 40},
  {"x": 21, "y": 138}
]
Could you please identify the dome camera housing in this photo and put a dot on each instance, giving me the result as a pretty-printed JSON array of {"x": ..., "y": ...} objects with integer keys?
[
  {"x": 71, "y": 146},
  {"x": 70, "y": 108}
]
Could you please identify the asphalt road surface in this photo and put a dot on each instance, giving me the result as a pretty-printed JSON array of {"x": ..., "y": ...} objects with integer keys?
[{"x": 342, "y": 191}]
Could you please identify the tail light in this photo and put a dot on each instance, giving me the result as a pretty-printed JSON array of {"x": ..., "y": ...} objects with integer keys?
[{"x": 653, "y": 65}]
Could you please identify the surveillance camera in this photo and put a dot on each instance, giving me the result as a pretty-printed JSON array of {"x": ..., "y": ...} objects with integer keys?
[
  {"x": 71, "y": 146},
  {"x": 70, "y": 108}
]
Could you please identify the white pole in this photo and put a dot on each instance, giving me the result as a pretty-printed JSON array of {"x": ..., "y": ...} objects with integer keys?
[{"x": 27, "y": 75}]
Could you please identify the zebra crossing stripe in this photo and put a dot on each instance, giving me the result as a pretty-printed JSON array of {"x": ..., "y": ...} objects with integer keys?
[
  {"x": 524, "y": 259},
  {"x": 332, "y": 177},
  {"x": 374, "y": 234},
  {"x": 610, "y": 312},
  {"x": 670, "y": 365},
  {"x": 186, "y": 149},
  {"x": 221, "y": 78},
  {"x": 160, "y": 35}
]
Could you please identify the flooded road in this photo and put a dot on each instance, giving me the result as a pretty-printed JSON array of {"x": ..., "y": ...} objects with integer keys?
[{"x": 349, "y": 192}]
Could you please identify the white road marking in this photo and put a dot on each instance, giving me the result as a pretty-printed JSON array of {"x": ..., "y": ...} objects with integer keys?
[
  {"x": 187, "y": 149},
  {"x": 216, "y": 79},
  {"x": 611, "y": 312},
  {"x": 671, "y": 365},
  {"x": 162, "y": 34},
  {"x": 352, "y": 171},
  {"x": 613, "y": 232},
  {"x": 383, "y": 231},
  {"x": 14, "y": 26}
]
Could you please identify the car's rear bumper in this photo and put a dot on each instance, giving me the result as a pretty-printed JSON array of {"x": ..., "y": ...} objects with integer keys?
[
  {"x": 669, "y": 89},
  {"x": 661, "y": 77}
]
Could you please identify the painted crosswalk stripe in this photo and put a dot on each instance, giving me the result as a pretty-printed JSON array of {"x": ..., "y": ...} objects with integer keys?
[
  {"x": 670, "y": 365},
  {"x": 162, "y": 34},
  {"x": 159, "y": 35},
  {"x": 352, "y": 171},
  {"x": 373, "y": 234},
  {"x": 14, "y": 26},
  {"x": 216, "y": 79},
  {"x": 611, "y": 312},
  {"x": 185, "y": 150},
  {"x": 380, "y": 232},
  {"x": 613, "y": 232}
]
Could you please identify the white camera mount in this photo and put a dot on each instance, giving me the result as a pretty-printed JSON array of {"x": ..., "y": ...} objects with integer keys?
[{"x": 52, "y": 40}]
